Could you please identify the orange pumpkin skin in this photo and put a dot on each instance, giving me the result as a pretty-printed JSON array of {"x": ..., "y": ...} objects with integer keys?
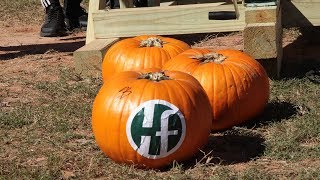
[
  {"x": 238, "y": 87},
  {"x": 119, "y": 99},
  {"x": 129, "y": 55}
]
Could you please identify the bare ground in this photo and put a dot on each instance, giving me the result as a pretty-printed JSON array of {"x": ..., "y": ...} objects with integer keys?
[{"x": 26, "y": 58}]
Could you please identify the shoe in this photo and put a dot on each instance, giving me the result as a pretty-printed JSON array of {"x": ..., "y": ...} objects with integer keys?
[
  {"x": 140, "y": 3},
  {"x": 114, "y": 4},
  {"x": 75, "y": 15},
  {"x": 54, "y": 25}
]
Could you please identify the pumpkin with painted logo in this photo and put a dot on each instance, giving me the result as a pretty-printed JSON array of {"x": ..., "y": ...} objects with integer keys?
[
  {"x": 236, "y": 84},
  {"x": 141, "y": 52},
  {"x": 151, "y": 119}
]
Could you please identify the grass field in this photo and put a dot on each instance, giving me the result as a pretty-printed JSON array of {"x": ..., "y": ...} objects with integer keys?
[{"x": 45, "y": 124}]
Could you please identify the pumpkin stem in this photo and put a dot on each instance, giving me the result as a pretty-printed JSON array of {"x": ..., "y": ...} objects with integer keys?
[
  {"x": 152, "y": 42},
  {"x": 210, "y": 57},
  {"x": 155, "y": 76}
]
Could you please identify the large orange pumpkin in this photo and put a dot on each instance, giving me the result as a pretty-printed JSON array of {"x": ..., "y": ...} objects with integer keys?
[
  {"x": 236, "y": 84},
  {"x": 141, "y": 52},
  {"x": 151, "y": 119}
]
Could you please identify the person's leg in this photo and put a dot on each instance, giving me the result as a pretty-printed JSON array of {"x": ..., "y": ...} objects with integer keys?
[
  {"x": 76, "y": 16},
  {"x": 54, "y": 24}
]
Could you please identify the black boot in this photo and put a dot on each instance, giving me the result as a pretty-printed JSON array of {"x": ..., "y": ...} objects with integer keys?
[
  {"x": 114, "y": 4},
  {"x": 140, "y": 3},
  {"x": 54, "y": 22},
  {"x": 76, "y": 16}
]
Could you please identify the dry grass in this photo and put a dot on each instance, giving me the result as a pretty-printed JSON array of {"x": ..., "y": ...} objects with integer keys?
[
  {"x": 50, "y": 136},
  {"x": 45, "y": 126}
]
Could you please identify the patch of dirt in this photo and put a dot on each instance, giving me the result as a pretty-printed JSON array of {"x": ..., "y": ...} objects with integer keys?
[
  {"x": 27, "y": 58},
  {"x": 216, "y": 41}
]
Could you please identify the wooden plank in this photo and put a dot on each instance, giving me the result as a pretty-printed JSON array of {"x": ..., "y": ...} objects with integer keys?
[
  {"x": 263, "y": 40},
  {"x": 235, "y": 4},
  {"x": 94, "y": 5},
  {"x": 125, "y": 4},
  {"x": 182, "y": 19},
  {"x": 261, "y": 14},
  {"x": 299, "y": 14},
  {"x": 260, "y": 40},
  {"x": 88, "y": 58}
]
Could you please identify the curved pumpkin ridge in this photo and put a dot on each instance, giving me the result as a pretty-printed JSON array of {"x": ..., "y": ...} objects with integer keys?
[
  {"x": 183, "y": 94},
  {"x": 175, "y": 46},
  {"x": 176, "y": 64},
  {"x": 140, "y": 86},
  {"x": 123, "y": 108},
  {"x": 165, "y": 56},
  {"x": 241, "y": 80},
  {"x": 183, "y": 62},
  {"x": 172, "y": 50},
  {"x": 239, "y": 56},
  {"x": 108, "y": 67},
  {"x": 227, "y": 119},
  {"x": 106, "y": 104},
  {"x": 249, "y": 87},
  {"x": 146, "y": 57},
  {"x": 232, "y": 94},
  {"x": 122, "y": 62},
  {"x": 222, "y": 82},
  {"x": 243, "y": 64},
  {"x": 130, "y": 48},
  {"x": 202, "y": 74},
  {"x": 239, "y": 89},
  {"x": 134, "y": 87},
  {"x": 194, "y": 104},
  {"x": 236, "y": 112},
  {"x": 253, "y": 65},
  {"x": 139, "y": 101},
  {"x": 243, "y": 72},
  {"x": 195, "y": 51}
]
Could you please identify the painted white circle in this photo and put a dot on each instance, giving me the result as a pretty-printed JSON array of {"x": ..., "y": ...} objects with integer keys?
[{"x": 148, "y": 108}]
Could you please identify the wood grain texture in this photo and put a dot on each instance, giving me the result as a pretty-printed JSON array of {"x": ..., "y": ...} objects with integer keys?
[
  {"x": 94, "y": 5},
  {"x": 182, "y": 19},
  {"x": 261, "y": 14},
  {"x": 260, "y": 40},
  {"x": 88, "y": 59},
  {"x": 263, "y": 38}
]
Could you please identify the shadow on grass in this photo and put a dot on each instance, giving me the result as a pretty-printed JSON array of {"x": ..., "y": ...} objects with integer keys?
[
  {"x": 234, "y": 148},
  {"x": 275, "y": 111},
  {"x": 23, "y": 50},
  {"x": 302, "y": 55},
  {"x": 240, "y": 144},
  {"x": 228, "y": 148}
]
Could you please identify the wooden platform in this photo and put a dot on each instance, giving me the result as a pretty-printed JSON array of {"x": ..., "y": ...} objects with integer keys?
[{"x": 261, "y": 24}]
